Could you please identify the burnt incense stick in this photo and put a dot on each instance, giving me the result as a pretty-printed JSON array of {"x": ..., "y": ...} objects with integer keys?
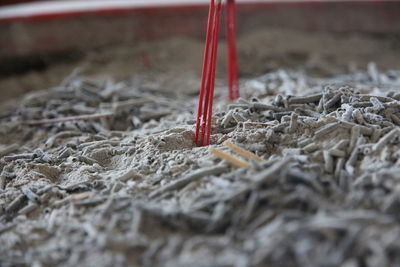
[{"x": 65, "y": 119}]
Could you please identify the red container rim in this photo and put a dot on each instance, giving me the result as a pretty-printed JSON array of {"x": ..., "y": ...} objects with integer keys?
[{"x": 57, "y": 9}]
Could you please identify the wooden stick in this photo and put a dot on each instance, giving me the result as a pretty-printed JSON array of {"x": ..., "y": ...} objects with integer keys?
[
  {"x": 241, "y": 151},
  {"x": 81, "y": 196},
  {"x": 65, "y": 119},
  {"x": 229, "y": 158}
]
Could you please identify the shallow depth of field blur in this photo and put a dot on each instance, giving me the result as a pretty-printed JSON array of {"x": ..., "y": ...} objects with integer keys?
[{"x": 98, "y": 164}]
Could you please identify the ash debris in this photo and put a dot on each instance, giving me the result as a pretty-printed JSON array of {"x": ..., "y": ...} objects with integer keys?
[{"x": 132, "y": 189}]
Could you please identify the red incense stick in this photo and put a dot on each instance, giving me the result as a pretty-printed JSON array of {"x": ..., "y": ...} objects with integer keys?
[
  {"x": 206, "y": 97},
  {"x": 204, "y": 70},
  {"x": 211, "y": 77},
  {"x": 233, "y": 80},
  {"x": 203, "y": 122}
]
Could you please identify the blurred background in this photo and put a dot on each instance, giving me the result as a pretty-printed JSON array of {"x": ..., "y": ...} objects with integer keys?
[{"x": 161, "y": 41}]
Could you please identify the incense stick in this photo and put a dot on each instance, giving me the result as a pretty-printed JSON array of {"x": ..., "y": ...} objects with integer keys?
[
  {"x": 211, "y": 76},
  {"x": 206, "y": 96},
  {"x": 204, "y": 69},
  {"x": 233, "y": 80},
  {"x": 204, "y": 114}
]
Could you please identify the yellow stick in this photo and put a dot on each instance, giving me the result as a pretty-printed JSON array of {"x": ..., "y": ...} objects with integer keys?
[
  {"x": 229, "y": 158},
  {"x": 81, "y": 196},
  {"x": 241, "y": 151}
]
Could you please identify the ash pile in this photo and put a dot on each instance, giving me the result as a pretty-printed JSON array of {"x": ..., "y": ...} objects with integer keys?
[{"x": 125, "y": 184}]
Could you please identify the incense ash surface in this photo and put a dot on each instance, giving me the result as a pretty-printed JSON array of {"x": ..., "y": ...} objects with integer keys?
[{"x": 132, "y": 188}]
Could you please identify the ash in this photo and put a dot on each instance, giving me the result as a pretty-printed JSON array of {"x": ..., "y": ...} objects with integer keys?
[{"x": 131, "y": 188}]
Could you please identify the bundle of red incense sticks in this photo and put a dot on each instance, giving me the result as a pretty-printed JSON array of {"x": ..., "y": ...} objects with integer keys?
[{"x": 206, "y": 97}]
